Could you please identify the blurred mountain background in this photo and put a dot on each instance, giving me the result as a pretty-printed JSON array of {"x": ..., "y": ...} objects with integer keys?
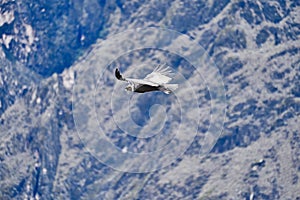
[{"x": 255, "y": 45}]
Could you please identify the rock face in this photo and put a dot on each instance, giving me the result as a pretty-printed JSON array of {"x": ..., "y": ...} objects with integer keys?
[
  {"x": 48, "y": 36},
  {"x": 254, "y": 44}
]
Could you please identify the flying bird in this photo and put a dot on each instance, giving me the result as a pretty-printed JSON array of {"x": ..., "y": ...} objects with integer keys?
[{"x": 155, "y": 81}]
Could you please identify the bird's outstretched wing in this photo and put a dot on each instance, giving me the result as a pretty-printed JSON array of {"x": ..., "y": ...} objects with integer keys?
[
  {"x": 134, "y": 81},
  {"x": 141, "y": 82},
  {"x": 160, "y": 75},
  {"x": 119, "y": 75}
]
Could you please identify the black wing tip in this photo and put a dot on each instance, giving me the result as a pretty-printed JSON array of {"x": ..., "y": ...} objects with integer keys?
[{"x": 118, "y": 74}]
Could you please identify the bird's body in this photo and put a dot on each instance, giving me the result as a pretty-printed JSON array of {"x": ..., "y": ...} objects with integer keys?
[
  {"x": 146, "y": 88},
  {"x": 155, "y": 81}
]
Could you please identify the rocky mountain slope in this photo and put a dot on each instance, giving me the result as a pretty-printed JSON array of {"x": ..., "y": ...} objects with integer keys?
[{"x": 46, "y": 48}]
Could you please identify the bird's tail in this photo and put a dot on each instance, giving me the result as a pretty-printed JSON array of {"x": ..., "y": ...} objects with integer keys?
[{"x": 169, "y": 88}]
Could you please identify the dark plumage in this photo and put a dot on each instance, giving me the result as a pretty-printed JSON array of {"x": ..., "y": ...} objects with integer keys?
[{"x": 118, "y": 74}]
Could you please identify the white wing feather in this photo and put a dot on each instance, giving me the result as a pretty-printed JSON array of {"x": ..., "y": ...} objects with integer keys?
[
  {"x": 141, "y": 81},
  {"x": 160, "y": 75}
]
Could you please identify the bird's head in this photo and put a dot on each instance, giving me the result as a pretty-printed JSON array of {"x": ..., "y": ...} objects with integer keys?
[{"x": 129, "y": 88}]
